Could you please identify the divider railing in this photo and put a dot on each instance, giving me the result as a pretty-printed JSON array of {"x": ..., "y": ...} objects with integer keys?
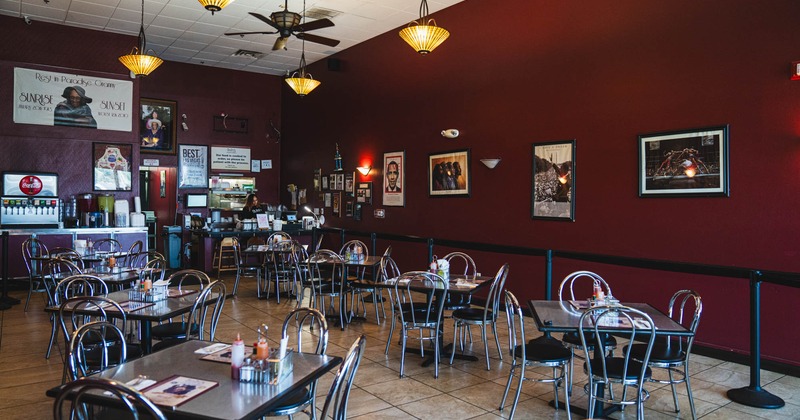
[{"x": 753, "y": 395}]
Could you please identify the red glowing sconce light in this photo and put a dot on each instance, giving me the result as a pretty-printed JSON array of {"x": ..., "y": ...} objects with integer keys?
[{"x": 796, "y": 70}]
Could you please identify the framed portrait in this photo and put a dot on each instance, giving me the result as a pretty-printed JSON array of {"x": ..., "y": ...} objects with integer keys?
[
  {"x": 685, "y": 163},
  {"x": 349, "y": 179},
  {"x": 394, "y": 178},
  {"x": 157, "y": 126},
  {"x": 324, "y": 179},
  {"x": 364, "y": 193},
  {"x": 339, "y": 182},
  {"x": 112, "y": 166},
  {"x": 449, "y": 174},
  {"x": 192, "y": 166},
  {"x": 553, "y": 195},
  {"x": 348, "y": 209},
  {"x": 317, "y": 179},
  {"x": 337, "y": 202}
]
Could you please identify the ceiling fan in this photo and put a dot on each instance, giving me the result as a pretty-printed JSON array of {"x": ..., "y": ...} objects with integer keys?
[{"x": 287, "y": 23}]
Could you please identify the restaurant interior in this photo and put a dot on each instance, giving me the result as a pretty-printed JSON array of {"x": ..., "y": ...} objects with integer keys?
[{"x": 601, "y": 77}]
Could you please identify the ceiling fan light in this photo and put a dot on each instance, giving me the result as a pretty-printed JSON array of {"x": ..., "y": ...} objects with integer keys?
[
  {"x": 302, "y": 84},
  {"x": 140, "y": 64},
  {"x": 424, "y": 38},
  {"x": 286, "y": 19},
  {"x": 215, "y": 5}
]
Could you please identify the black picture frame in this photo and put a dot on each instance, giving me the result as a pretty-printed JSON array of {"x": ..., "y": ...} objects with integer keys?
[
  {"x": 449, "y": 174},
  {"x": 553, "y": 181},
  {"x": 162, "y": 113},
  {"x": 685, "y": 163},
  {"x": 112, "y": 166}
]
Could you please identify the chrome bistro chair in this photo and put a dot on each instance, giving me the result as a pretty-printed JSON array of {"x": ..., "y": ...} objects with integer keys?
[
  {"x": 72, "y": 403},
  {"x": 203, "y": 317},
  {"x": 536, "y": 354},
  {"x": 33, "y": 253},
  {"x": 336, "y": 402},
  {"x": 616, "y": 374},
  {"x": 672, "y": 353}
]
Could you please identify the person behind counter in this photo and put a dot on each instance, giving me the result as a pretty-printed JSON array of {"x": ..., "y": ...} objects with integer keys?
[{"x": 251, "y": 208}]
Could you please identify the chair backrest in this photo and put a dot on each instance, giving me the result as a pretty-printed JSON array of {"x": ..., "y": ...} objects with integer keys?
[
  {"x": 88, "y": 340},
  {"x": 678, "y": 311},
  {"x": 336, "y": 401},
  {"x": 107, "y": 245},
  {"x": 255, "y": 240},
  {"x": 388, "y": 269},
  {"x": 470, "y": 269},
  {"x": 189, "y": 277},
  {"x": 79, "y": 285},
  {"x": 206, "y": 311},
  {"x": 421, "y": 314},
  {"x": 568, "y": 284},
  {"x": 33, "y": 247},
  {"x": 134, "y": 250},
  {"x": 325, "y": 266},
  {"x": 278, "y": 237},
  {"x": 141, "y": 259},
  {"x": 74, "y": 401},
  {"x": 318, "y": 244},
  {"x": 628, "y": 325},
  {"x": 299, "y": 317},
  {"x": 55, "y": 270},
  {"x": 157, "y": 268},
  {"x": 492, "y": 306},
  {"x": 516, "y": 324},
  {"x": 388, "y": 251},
  {"x": 355, "y": 247}
]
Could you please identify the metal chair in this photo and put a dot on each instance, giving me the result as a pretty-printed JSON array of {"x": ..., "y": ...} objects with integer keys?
[
  {"x": 336, "y": 401},
  {"x": 189, "y": 277},
  {"x": 326, "y": 276},
  {"x": 127, "y": 259},
  {"x": 359, "y": 287},
  {"x": 90, "y": 352},
  {"x": 33, "y": 252},
  {"x": 628, "y": 324},
  {"x": 279, "y": 265},
  {"x": 56, "y": 269},
  {"x": 72, "y": 402},
  {"x": 304, "y": 398},
  {"x": 389, "y": 273},
  {"x": 107, "y": 245},
  {"x": 672, "y": 353},
  {"x": 486, "y": 316},
  {"x": 533, "y": 355},
  {"x": 206, "y": 308},
  {"x": 425, "y": 319}
]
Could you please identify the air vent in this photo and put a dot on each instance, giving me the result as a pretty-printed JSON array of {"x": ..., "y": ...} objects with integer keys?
[
  {"x": 255, "y": 55},
  {"x": 320, "y": 13}
]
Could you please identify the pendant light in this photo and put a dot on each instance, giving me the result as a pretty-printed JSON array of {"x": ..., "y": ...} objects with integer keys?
[
  {"x": 138, "y": 61},
  {"x": 301, "y": 82},
  {"x": 215, "y": 5},
  {"x": 423, "y": 35}
]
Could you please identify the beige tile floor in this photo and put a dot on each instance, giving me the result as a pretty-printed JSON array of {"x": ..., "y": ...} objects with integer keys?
[{"x": 465, "y": 390}]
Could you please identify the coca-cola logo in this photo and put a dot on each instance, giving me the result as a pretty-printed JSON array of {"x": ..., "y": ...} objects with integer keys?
[{"x": 30, "y": 185}]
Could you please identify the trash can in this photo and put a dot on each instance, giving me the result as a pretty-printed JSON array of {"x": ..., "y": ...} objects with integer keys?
[{"x": 172, "y": 245}]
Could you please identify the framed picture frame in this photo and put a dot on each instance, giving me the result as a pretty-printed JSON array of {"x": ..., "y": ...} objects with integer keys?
[
  {"x": 449, "y": 174},
  {"x": 337, "y": 203},
  {"x": 112, "y": 166},
  {"x": 317, "y": 179},
  {"x": 324, "y": 179},
  {"x": 339, "y": 182},
  {"x": 157, "y": 126},
  {"x": 349, "y": 183},
  {"x": 328, "y": 199},
  {"x": 364, "y": 193},
  {"x": 553, "y": 181},
  {"x": 394, "y": 178},
  {"x": 348, "y": 209},
  {"x": 684, "y": 163},
  {"x": 192, "y": 166}
]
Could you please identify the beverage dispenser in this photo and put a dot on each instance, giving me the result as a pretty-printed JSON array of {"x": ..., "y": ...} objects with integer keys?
[{"x": 29, "y": 200}]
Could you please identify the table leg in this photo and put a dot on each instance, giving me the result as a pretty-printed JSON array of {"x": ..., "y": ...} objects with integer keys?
[{"x": 146, "y": 339}]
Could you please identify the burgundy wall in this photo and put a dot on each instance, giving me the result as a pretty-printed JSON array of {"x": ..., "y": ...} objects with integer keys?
[
  {"x": 201, "y": 92},
  {"x": 600, "y": 73}
]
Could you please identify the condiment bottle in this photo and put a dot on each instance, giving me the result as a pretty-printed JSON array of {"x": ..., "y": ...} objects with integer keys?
[
  {"x": 262, "y": 347},
  {"x": 434, "y": 265},
  {"x": 237, "y": 356},
  {"x": 148, "y": 284},
  {"x": 112, "y": 262}
]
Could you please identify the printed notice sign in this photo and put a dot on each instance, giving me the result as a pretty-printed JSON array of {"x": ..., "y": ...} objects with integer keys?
[
  {"x": 192, "y": 166},
  {"x": 230, "y": 158}
]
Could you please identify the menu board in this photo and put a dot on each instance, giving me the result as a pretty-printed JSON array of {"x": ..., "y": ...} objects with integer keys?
[{"x": 230, "y": 158}]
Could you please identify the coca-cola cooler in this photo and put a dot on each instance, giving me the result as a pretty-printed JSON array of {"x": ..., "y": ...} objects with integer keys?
[{"x": 29, "y": 200}]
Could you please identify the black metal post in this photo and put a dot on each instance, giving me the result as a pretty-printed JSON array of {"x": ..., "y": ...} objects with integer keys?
[
  {"x": 548, "y": 274},
  {"x": 4, "y": 300},
  {"x": 754, "y": 395},
  {"x": 373, "y": 237},
  {"x": 430, "y": 252},
  {"x": 342, "y": 238}
]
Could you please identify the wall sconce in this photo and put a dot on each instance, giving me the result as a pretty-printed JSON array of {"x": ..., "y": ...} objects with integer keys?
[
  {"x": 796, "y": 70},
  {"x": 365, "y": 170},
  {"x": 490, "y": 163}
]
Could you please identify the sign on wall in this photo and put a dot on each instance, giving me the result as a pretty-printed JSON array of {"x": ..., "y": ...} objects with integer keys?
[
  {"x": 230, "y": 158},
  {"x": 192, "y": 166},
  {"x": 46, "y": 97}
]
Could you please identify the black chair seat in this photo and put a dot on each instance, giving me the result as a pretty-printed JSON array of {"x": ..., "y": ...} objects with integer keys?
[
  {"x": 574, "y": 339},
  {"x": 292, "y": 402},
  {"x": 419, "y": 315},
  {"x": 472, "y": 314},
  {"x": 172, "y": 330},
  {"x": 545, "y": 353},
  {"x": 615, "y": 367},
  {"x": 93, "y": 356},
  {"x": 457, "y": 301},
  {"x": 659, "y": 354}
]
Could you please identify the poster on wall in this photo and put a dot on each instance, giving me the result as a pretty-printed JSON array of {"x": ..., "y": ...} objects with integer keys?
[
  {"x": 192, "y": 166},
  {"x": 394, "y": 168},
  {"x": 45, "y": 97},
  {"x": 230, "y": 158},
  {"x": 554, "y": 181},
  {"x": 112, "y": 166}
]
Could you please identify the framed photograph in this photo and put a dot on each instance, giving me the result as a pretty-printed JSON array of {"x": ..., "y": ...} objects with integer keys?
[
  {"x": 394, "y": 179},
  {"x": 364, "y": 193},
  {"x": 317, "y": 179},
  {"x": 348, "y": 209},
  {"x": 112, "y": 166},
  {"x": 339, "y": 182},
  {"x": 328, "y": 199},
  {"x": 157, "y": 126},
  {"x": 177, "y": 390},
  {"x": 685, "y": 163},
  {"x": 349, "y": 179},
  {"x": 324, "y": 182},
  {"x": 192, "y": 166},
  {"x": 553, "y": 195},
  {"x": 337, "y": 202},
  {"x": 449, "y": 174}
]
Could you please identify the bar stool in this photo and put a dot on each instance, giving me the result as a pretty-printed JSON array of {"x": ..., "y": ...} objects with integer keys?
[{"x": 225, "y": 255}]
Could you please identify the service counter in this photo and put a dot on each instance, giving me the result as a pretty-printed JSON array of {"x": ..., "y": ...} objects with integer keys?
[
  {"x": 205, "y": 241},
  {"x": 64, "y": 238}
]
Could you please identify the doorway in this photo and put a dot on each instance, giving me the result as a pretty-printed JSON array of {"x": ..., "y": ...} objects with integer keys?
[{"x": 158, "y": 192}]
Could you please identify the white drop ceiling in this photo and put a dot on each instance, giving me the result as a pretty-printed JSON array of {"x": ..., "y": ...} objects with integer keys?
[{"x": 183, "y": 31}]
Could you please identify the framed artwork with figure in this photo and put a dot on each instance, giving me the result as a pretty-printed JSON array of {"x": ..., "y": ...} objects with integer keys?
[
  {"x": 449, "y": 174},
  {"x": 157, "y": 126},
  {"x": 112, "y": 166},
  {"x": 554, "y": 181},
  {"x": 394, "y": 178}
]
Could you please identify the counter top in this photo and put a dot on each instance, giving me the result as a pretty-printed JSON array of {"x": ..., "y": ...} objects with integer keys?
[
  {"x": 70, "y": 231},
  {"x": 217, "y": 233}
]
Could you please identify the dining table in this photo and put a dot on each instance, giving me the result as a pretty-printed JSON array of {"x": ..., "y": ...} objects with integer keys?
[
  {"x": 360, "y": 265},
  {"x": 178, "y": 302},
  {"x": 223, "y": 397},
  {"x": 564, "y": 316}
]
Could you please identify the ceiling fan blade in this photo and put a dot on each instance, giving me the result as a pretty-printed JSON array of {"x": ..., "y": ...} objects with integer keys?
[
  {"x": 264, "y": 19},
  {"x": 310, "y": 26},
  {"x": 318, "y": 39},
  {"x": 280, "y": 44},
  {"x": 249, "y": 33}
]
